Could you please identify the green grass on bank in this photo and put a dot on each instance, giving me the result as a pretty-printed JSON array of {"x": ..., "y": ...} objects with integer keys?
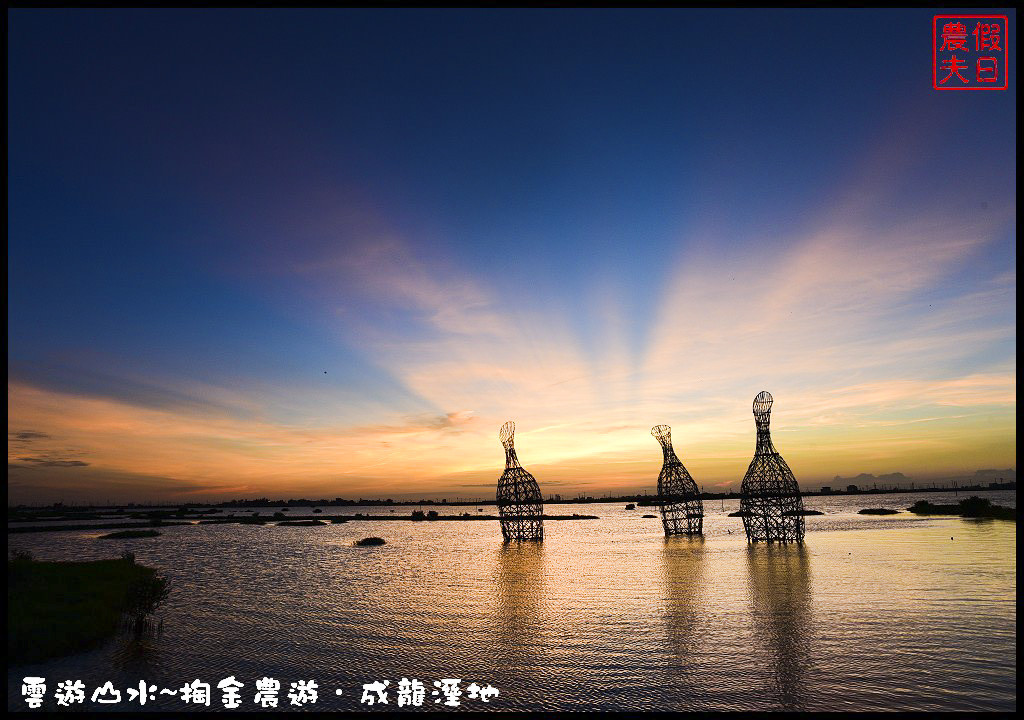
[{"x": 58, "y": 608}]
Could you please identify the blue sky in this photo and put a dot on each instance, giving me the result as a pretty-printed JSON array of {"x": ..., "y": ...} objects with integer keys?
[{"x": 588, "y": 221}]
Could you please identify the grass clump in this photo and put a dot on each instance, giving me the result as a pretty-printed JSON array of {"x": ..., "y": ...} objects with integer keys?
[
  {"x": 367, "y": 542},
  {"x": 129, "y": 534},
  {"x": 58, "y": 608},
  {"x": 972, "y": 507}
]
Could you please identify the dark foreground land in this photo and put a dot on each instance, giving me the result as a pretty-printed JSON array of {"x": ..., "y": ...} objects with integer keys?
[{"x": 57, "y": 608}]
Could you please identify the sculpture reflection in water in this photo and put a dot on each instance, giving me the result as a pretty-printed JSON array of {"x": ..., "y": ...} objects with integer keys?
[
  {"x": 519, "y": 620},
  {"x": 780, "y": 597},
  {"x": 686, "y": 611},
  {"x": 519, "y": 501}
]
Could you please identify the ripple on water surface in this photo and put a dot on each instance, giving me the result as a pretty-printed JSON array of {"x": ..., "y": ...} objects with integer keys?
[{"x": 871, "y": 613}]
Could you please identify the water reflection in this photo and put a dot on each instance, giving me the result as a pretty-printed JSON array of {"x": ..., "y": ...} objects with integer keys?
[
  {"x": 780, "y": 595},
  {"x": 137, "y": 652},
  {"x": 519, "y": 588},
  {"x": 683, "y": 572},
  {"x": 604, "y": 615}
]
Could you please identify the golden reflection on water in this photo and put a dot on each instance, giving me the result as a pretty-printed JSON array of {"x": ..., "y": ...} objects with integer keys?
[
  {"x": 518, "y": 600},
  {"x": 519, "y": 585},
  {"x": 683, "y": 575},
  {"x": 779, "y": 585},
  {"x": 870, "y": 614}
]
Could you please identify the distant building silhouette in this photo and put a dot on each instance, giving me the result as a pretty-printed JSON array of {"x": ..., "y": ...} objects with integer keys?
[
  {"x": 770, "y": 501},
  {"x": 520, "y": 504},
  {"x": 826, "y": 490},
  {"x": 682, "y": 511},
  {"x": 852, "y": 489}
]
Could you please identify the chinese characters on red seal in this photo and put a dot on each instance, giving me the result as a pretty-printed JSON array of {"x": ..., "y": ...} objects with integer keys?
[{"x": 969, "y": 52}]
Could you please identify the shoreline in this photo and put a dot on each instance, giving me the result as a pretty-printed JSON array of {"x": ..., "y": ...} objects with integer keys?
[
  {"x": 249, "y": 520},
  {"x": 641, "y": 499},
  {"x": 60, "y": 608}
]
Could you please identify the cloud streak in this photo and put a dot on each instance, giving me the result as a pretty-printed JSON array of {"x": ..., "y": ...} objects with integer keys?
[{"x": 879, "y": 352}]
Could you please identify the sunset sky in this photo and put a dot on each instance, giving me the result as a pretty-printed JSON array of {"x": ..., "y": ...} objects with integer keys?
[{"x": 320, "y": 254}]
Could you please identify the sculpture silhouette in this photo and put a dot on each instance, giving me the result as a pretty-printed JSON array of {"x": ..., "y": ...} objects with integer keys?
[
  {"x": 682, "y": 511},
  {"x": 770, "y": 501},
  {"x": 519, "y": 500}
]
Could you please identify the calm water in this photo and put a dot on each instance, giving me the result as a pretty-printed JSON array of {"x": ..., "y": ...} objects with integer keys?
[{"x": 883, "y": 613}]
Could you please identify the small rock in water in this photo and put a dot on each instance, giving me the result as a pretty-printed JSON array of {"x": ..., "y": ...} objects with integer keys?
[{"x": 370, "y": 541}]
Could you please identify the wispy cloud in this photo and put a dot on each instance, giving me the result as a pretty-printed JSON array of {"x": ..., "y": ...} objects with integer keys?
[
  {"x": 26, "y": 436},
  {"x": 880, "y": 356},
  {"x": 48, "y": 462}
]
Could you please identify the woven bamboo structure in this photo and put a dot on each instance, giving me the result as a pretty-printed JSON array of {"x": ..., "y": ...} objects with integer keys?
[
  {"x": 682, "y": 511},
  {"x": 519, "y": 500},
  {"x": 770, "y": 501}
]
